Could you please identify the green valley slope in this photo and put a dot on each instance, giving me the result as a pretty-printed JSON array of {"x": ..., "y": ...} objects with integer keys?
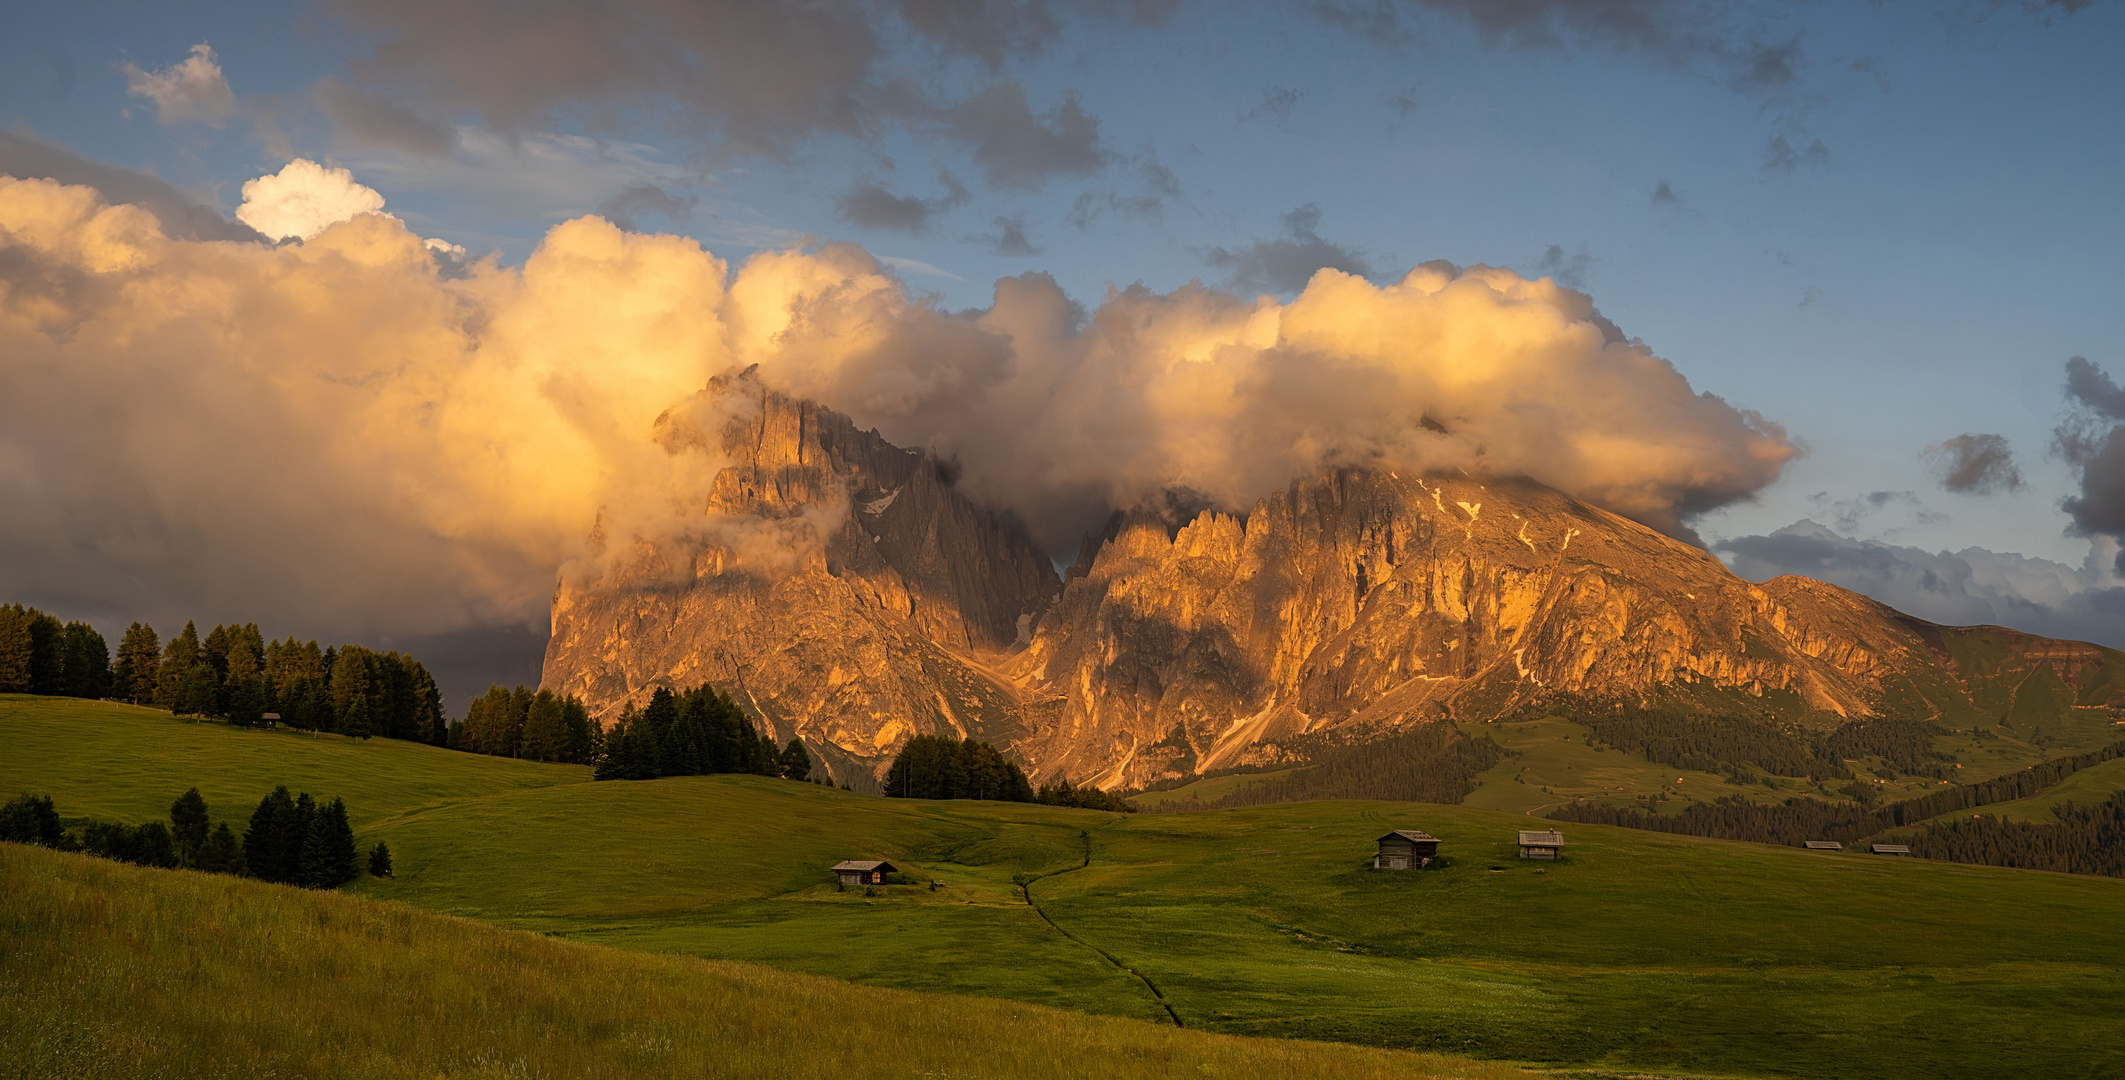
[{"x": 1640, "y": 951}]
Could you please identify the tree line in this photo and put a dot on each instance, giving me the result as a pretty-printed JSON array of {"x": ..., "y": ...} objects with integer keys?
[
  {"x": 1807, "y": 818},
  {"x": 291, "y": 839},
  {"x": 942, "y": 767},
  {"x": 693, "y": 733},
  {"x": 232, "y": 673},
  {"x": 1724, "y": 743},
  {"x": 1436, "y": 763},
  {"x": 536, "y": 725},
  {"x": 2083, "y": 840}
]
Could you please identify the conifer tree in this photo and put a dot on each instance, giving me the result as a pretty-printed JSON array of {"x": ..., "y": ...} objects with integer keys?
[
  {"x": 580, "y": 735},
  {"x": 188, "y": 826},
  {"x": 327, "y": 857},
  {"x": 220, "y": 854},
  {"x": 796, "y": 761},
  {"x": 355, "y": 722},
  {"x": 139, "y": 654},
  {"x": 47, "y": 654},
  {"x": 17, "y": 649},
  {"x": 88, "y": 662},
  {"x": 31, "y": 819},
  {"x": 197, "y": 693},
  {"x": 544, "y": 733},
  {"x": 249, "y": 700},
  {"x": 270, "y": 845},
  {"x": 179, "y": 655},
  {"x": 380, "y": 860}
]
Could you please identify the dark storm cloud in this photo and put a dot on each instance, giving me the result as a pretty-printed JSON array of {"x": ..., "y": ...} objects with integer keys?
[
  {"x": 1286, "y": 263},
  {"x": 374, "y": 121},
  {"x": 1975, "y": 464},
  {"x": 2092, "y": 441},
  {"x": 626, "y": 207},
  {"x": 871, "y": 206},
  {"x": 33, "y": 159},
  {"x": 1962, "y": 588}
]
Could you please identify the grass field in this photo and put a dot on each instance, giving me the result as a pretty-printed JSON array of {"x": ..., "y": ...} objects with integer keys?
[
  {"x": 112, "y": 971},
  {"x": 1639, "y": 952}
]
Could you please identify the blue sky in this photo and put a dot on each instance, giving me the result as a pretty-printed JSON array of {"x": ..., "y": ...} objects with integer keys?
[{"x": 1880, "y": 225}]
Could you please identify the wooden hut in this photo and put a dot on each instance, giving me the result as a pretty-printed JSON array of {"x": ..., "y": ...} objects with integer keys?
[
  {"x": 1890, "y": 849},
  {"x": 1540, "y": 843},
  {"x": 863, "y": 873},
  {"x": 1406, "y": 849},
  {"x": 1823, "y": 845}
]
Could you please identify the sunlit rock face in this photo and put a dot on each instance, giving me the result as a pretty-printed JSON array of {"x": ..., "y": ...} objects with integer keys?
[
  {"x": 850, "y": 604},
  {"x": 1346, "y": 607}
]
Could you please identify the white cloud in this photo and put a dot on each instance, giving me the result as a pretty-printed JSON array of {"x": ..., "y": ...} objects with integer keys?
[
  {"x": 191, "y": 89},
  {"x": 304, "y": 199}
]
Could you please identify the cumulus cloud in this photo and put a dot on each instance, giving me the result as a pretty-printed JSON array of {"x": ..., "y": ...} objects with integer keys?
[
  {"x": 1957, "y": 588},
  {"x": 1288, "y": 262},
  {"x": 1975, "y": 464},
  {"x": 304, "y": 199},
  {"x": 179, "y": 216},
  {"x": 212, "y": 429},
  {"x": 191, "y": 89}
]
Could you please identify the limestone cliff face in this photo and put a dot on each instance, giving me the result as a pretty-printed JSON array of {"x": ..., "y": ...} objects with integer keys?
[
  {"x": 1347, "y": 607},
  {"x": 1361, "y": 602},
  {"x": 871, "y": 636}
]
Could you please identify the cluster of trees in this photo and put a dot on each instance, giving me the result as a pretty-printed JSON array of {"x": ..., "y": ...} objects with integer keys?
[
  {"x": 1435, "y": 763},
  {"x": 294, "y": 840},
  {"x": 534, "y": 725},
  {"x": 941, "y": 767},
  {"x": 1805, "y": 818},
  {"x": 1728, "y": 744},
  {"x": 41, "y": 655},
  {"x": 2084, "y": 840},
  {"x": 233, "y": 672},
  {"x": 693, "y": 733}
]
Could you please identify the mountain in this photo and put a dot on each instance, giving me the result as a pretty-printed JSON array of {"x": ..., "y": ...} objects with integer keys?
[{"x": 1348, "y": 607}]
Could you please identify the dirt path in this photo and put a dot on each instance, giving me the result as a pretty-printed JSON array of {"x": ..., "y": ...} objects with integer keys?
[{"x": 1027, "y": 889}]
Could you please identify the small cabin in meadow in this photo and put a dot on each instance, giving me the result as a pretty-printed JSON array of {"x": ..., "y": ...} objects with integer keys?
[
  {"x": 1541, "y": 843},
  {"x": 1891, "y": 849},
  {"x": 1406, "y": 849},
  {"x": 863, "y": 873},
  {"x": 1823, "y": 845}
]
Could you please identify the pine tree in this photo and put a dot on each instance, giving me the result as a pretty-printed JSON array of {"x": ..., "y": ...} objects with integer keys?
[
  {"x": 544, "y": 732},
  {"x": 796, "y": 762},
  {"x": 580, "y": 735},
  {"x": 153, "y": 846},
  {"x": 275, "y": 828},
  {"x": 250, "y": 699},
  {"x": 380, "y": 860},
  {"x": 88, "y": 662},
  {"x": 327, "y": 858},
  {"x": 47, "y": 654},
  {"x": 220, "y": 854},
  {"x": 31, "y": 820},
  {"x": 355, "y": 722},
  {"x": 179, "y": 656},
  {"x": 139, "y": 652},
  {"x": 17, "y": 649},
  {"x": 198, "y": 693},
  {"x": 188, "y": 826}
]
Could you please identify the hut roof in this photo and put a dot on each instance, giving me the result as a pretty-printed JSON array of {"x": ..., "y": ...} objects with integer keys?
[
  {"x": 1891, "y": 849},
  {"x": 1410, "y": 835},
  {"x": 1824, "y": 845},
  {"x": 866, "y": 866},
  {"x": 1541, "y": 838}
]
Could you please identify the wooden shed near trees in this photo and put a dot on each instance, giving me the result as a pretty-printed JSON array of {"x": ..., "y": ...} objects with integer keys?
[
  {"x": 1406, "y": 849},
  {"x": 1541, "y": 844}
]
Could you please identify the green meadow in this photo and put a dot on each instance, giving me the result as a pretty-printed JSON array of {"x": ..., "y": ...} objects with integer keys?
[{"x": 1638, "y": 953}]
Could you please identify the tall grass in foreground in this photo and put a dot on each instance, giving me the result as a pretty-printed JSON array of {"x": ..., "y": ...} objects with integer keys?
[{"x": 108, "y": 970}]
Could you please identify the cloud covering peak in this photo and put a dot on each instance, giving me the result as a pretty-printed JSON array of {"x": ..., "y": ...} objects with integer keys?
[{"x": 336, "y": 426}]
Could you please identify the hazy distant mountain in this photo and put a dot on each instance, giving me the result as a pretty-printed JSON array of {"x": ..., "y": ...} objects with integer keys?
[{"x": 1350, "y": 606}]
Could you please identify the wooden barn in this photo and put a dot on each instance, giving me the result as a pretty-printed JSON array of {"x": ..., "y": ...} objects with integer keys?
[
  {"x": 1406, "y": 849},
  {"x": 1824, "y": 845},
  {"x": 1891, "y": 849},
  {"x": 1540, "y": 843},
  {"x": 863, "y": 873}
]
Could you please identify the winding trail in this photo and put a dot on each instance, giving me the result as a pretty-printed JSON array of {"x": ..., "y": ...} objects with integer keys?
[{"x": 1027, "y": 889}]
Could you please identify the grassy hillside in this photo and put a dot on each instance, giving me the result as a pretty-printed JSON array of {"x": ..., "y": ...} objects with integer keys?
[
  {"x": 115, "y": 971},
  {"x": 1640, "y": 951}
]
